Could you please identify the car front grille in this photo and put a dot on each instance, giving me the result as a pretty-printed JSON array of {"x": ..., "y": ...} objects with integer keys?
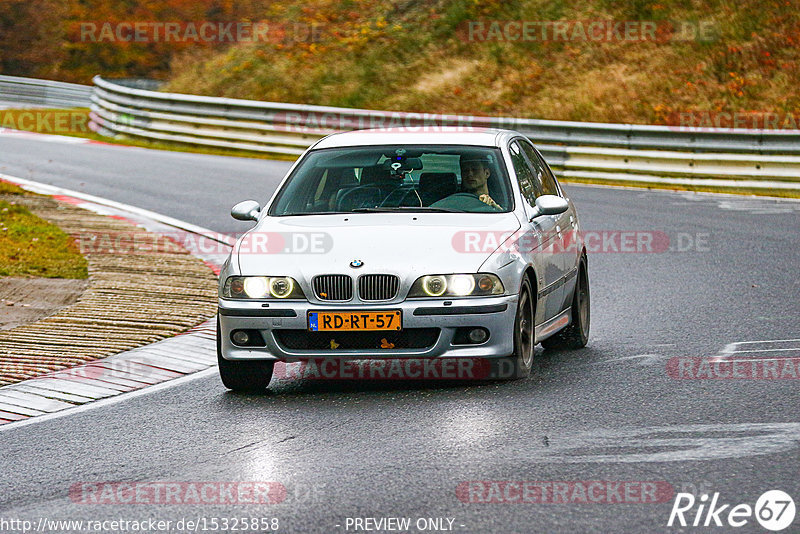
[
  {"x": 333, "y": 287},
  {"x": 410, "y": 338},
  {"x": 377, "y": 287}
]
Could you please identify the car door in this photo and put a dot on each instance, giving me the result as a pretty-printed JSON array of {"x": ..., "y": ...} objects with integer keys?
[
  {"x": 548, "y": 267},
  {"x": 565, "y": 248}
]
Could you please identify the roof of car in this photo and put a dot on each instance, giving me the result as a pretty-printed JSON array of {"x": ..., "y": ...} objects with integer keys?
[{"x": 438, "y": 135}]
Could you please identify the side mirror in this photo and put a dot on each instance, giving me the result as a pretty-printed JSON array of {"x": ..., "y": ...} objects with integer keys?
[
  {"x": 246, "y": 211},
  {"x": 550, "y": 205}
]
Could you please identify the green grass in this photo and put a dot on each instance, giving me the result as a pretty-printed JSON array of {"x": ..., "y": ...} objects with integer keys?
[
  {"x": 11, "y": 189},
  {"x": 32, "y": 247}
]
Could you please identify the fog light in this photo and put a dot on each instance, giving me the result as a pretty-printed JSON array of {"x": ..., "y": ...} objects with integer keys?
[
  {"x": 240, "y": 337},
  {"x": 478, "y": 335}
]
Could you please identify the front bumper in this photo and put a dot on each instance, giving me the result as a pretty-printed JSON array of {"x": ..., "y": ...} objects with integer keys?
[{"x": 496, "y": 314}]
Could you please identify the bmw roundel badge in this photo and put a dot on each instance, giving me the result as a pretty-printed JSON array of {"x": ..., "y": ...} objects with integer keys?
[{"x": 355, "y": 264}]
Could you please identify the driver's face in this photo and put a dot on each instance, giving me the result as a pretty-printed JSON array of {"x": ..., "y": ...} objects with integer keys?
[{"x": 474, "y": 174}]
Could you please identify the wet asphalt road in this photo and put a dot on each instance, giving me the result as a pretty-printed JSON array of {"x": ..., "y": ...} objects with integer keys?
[{"x": 363, "y": 448}]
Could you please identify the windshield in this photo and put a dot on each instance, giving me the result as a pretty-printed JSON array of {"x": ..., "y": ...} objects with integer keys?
[{"x": 396, "y": 178}]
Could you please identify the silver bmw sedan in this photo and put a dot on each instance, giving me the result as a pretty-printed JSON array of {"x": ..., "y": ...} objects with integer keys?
[{"x": 408, "y": 245}]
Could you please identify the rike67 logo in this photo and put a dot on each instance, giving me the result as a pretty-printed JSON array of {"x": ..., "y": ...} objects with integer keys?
[{"x": 774, "y": 510}]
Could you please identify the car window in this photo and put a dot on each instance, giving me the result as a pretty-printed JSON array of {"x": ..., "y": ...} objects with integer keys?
[
  {"x": 355, "y": 179},
  {"x": 543, "y": 174},
  {"x": 528, "y": 183}
]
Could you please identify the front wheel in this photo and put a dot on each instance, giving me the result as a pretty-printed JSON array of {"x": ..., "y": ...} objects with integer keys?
[
  {"x": 243, "y": 375},
  {"x": 576, "y": 335},
  {"x": 519, "y": 365}
]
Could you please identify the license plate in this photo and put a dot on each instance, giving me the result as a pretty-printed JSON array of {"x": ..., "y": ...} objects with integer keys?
[{"x": 349, "y": 321}]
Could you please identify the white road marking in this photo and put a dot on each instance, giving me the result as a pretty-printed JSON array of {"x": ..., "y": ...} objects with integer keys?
[
  {"x": 647, "y": 359},
  {"x": 680, "y": 443},
  {"x": 764, "y": 350},
  {"x": 111, "y": 400},
  {"x": 762, "y": 347},
  {"x": 760, "y": 205},
  {"x": 47, "y": 138}
]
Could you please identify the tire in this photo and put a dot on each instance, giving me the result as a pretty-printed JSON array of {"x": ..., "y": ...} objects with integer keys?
[
  {"x": 519, "y": 365},
  {"x": 243, "y": 375},
  {"x": 576, "y": 335}
]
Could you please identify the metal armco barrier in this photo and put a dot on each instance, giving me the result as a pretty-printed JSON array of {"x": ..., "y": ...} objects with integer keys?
[
  {"x": 596, "y": 150},
  {"x": 44, "y": 93}
]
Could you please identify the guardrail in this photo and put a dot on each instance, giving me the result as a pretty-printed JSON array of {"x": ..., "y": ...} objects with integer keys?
[
  {"x": 44, "y": 93},
  {"x": 591, "y": 150}
]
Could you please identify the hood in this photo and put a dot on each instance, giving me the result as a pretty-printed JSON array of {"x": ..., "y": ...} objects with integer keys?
[{"x": 406, "y": 244}]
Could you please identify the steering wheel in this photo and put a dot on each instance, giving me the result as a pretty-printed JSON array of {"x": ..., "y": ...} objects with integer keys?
[{"x": 464, "y": 201}]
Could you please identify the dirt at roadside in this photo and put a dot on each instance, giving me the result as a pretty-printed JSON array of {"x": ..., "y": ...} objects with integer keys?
[
  {"x": 26, "y": 300},
  {"x": 133, "y": 297}
]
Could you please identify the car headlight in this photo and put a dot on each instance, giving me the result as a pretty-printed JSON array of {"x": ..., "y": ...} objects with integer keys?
[
  {"x": 456, "y": 285},
  {"x": 261, "y": 287}
]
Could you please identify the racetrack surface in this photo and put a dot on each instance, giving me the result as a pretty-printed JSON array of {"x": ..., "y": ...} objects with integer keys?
[{"x": 367, "y": 448}]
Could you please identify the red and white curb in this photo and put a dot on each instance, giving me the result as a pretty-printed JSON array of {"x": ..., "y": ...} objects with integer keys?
[
  {"x": 166, "y": 360},
  {"x": 55, "y": 138}
]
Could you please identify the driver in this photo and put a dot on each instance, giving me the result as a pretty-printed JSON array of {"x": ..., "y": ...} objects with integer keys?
[{"x": 474, "y": 177}]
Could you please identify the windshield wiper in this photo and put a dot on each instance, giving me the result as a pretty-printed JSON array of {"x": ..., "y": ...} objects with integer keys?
[{"x": 405, "y": 208}]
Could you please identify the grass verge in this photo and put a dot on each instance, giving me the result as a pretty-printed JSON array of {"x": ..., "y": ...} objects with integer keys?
[
  {"x": 7, "y": 188},
  {"x": 31, "y": 246}
]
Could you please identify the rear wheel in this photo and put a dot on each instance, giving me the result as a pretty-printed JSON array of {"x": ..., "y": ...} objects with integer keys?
[
  {"x": 243, "y": 375},
  {"x": 519, "y": 365},
  {"x": 576, "y": 335}
]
